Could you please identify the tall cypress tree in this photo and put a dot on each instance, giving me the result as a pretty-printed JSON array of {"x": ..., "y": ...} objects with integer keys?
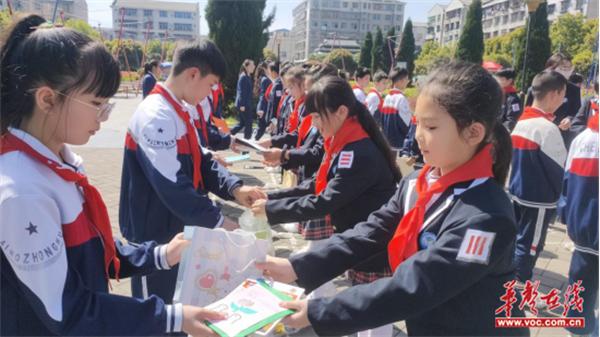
[
  {"x": 377, "y": 52},
  {"x": 365, "y": 51},
  {"x": 470, "y": 45},
  {"x": 540, "y": 47},
  {"x": 406, "y": 52},
  {"x": 239, "y": 30},
  {"x": 389, "y": 45}
]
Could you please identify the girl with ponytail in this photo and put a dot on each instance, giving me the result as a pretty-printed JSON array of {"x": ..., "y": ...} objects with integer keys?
[
  {"x": 448, "y": 233},
  {"x": 57, "y": 248},
  {"x": 356, "y": 175}
]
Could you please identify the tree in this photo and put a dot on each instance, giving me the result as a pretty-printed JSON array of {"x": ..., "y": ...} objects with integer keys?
[
  {"x": 406, "y": 52},
  {"x": 503, "y": 48},
  {"x": 567, "y": 33},
  {"x": 365, "y": 51},
  {"x": 389, "y": 45},
  {"x": 239, "y": 30},
  {"x": 431, "y": 56},
  {"x": 5, "y": 19},
  {"x": 470, "y": 44},
  {"x": 377, "y": 52},
  {"x": 269, "y": 54},
  {"x": 342, "y": 59},
  {"x": 539, "y": 47},
  {"x": 82, "y": 27}
]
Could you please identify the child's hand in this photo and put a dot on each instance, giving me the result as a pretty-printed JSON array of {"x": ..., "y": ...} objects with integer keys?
[
  {"x": 174, "y": 249},
  {"x": 265, "y": 143},
  {"x": 259, "y": 207},
  {"x": 247, "y": 195},
  {"x": 299, "y": 319},
  {"x": 272, "y": 156},
  {"x": 278, "y": 269},
  {"x": 193, "y": 321},
  {"x": 219, "y": 159}
]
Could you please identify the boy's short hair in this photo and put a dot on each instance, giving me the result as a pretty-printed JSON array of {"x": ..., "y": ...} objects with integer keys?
[
  {"x": 398, "y": 74},
  {"x": 508, "y": 73},
  {"x": 547, "y": 81},
  {"x": 576, "y": 78},
  {"x": 274, "y": 67},
  {"x": 380, "y": 76},
  {"x": 361, "y": 72},
  {"x": 204, "y": 55}
]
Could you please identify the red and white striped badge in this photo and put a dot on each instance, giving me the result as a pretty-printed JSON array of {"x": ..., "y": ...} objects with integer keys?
[
  {"x": 476, "y": 246},
  {"x": 346, "y": 159}
]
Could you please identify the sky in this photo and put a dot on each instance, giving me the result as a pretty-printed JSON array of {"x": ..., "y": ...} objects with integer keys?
[{"x": 101, "y": 13}]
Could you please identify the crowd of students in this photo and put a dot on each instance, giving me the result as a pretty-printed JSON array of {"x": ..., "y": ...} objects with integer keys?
[{"x": 434, "y": 248}]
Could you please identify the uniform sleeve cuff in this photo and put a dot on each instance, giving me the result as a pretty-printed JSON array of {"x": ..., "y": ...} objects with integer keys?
[
  {"x": 174, "y": 317},
  {"x": 160, "y": 258},
  {"x": 220, "y": 222}
]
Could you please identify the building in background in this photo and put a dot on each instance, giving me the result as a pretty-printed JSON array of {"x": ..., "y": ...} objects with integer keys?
[
  {"x": 420, "y": 33},
  {"x": 67, "y": 9},
  {"x": 281, "y": 41},
  {"x": 435, "y": 23},
  {"x": 329, "y": 44},
  {"x": 141, "y": 19},
  {"x": 318, "y": 20}
]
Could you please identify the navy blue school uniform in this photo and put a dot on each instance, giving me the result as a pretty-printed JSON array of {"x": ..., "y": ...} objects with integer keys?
[
  {"x": 273, "y": 99},
  {"x": 53, "y": 280},
  {"x": 359, "y": 182},
  {"x": 578, "y": 208},
  {"x": 158, "y": 197},
  {"x": 210, "y": 136},
  {"x": 569, "y": 108},
  {"x": 306, "y": 158},
  {"x": 284, "y": 113},
  {"x": 439, "y": 290},
  {"x": 148, "y": 83},
  {"x": 511, "y": 108},
  {"x": 411, "y": 146},
  {"x": 395, "y": 118},
  {"x": 588, "y": 109},
  {"x": 535, "y": 183},
  {"x": 289, "y": 138},
  {"x": 262, "y": 105},
  {"x": 243, "y": 98}
]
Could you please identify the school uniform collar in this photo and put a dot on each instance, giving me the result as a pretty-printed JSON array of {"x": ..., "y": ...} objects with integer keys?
[
  {"x": 69, "y": 159},
  {"x": 184, "y": 105},
  {"x": 395, "y": 91}
]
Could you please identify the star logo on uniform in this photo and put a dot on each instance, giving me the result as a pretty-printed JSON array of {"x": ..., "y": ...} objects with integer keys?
[
  {"x": 32, "y": 229},
  {"x": 160, "y": 130}
]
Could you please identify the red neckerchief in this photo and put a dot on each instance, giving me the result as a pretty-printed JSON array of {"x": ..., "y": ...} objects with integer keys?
[
  {"x": 191, "y": 136},
  {"x": 268, "y": 91},
  {"x": 303, "y": 130},
  {"x": 380, "y": 105},
  {"x": 216, "y": 94},
  {"x": 281, "y": 100},
  {"x": 413, "y": 119},
  {"x": 93, "y": 207},
  {"x": 404, "y": 241},
  {"x": 295, "y": 116},
  {"x": 395, "y": 91},
  {"x": 510, "y": 89},
  {"x": 531, "y": 112},
  {"x": 356, "y": 86},
  {"x": 350, "y": 132},
  {"x": 201, "y": 123},
  {"x": 594, "y": 106},
  {"x": 593, "y": 122}
]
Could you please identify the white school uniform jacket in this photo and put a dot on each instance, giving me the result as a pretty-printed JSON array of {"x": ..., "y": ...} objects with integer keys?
[
  {"x": 395, "y": 118},
  {"x": 158, "y": 197},
  {"x": 538, "y": 161},
  {"x": 53, "y": 280}
]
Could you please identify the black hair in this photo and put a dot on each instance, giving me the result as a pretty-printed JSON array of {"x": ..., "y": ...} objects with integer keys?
[
  {"x": 547, "y": 81},
  {"x": 331, "y": 92},
  {"x": 556, "y": 59},
  {"x": 380, "y": 76},
  {"x": 398, "y": 74},
  {"x": 259, "y": 73},
  {"x": 149, "y": 66},
  {"x": 361, "y": 72},
  {"x": 508, "y": 73},
  {"x": 63, "y": 59},
  {"x": 274, "y": 67},
  {"x": 596, "y": 86},
  {"x": 204, "y": 55},
  {"x": 320, "y": 70},
  {"x": 470, "y": 94},
  {"x": 576, "y": 78}
]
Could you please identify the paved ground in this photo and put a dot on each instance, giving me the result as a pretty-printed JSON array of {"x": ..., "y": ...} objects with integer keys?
[{"x": 103, "y": 162}]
